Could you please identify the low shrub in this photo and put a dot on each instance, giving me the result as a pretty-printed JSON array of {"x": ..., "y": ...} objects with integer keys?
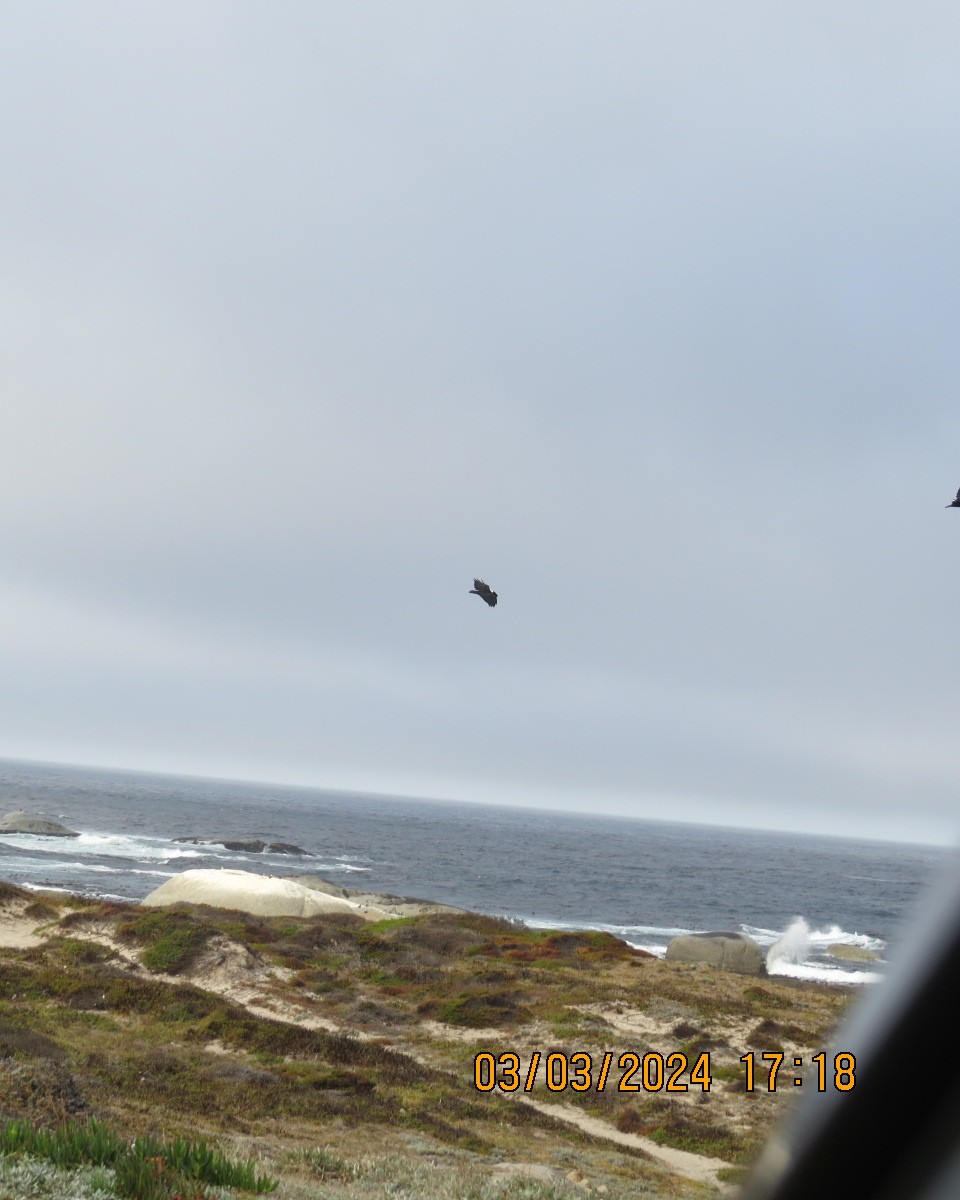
[
  {"x": 18, "y": 1041},
  {"x": 322, "y": 1164},
  {"x": 77, "y": 951},
  {"x": 41, "y": 1090},
  {"x": 766, "y": 1036},
  {"x": 575, "y": 948},
  {"x": 476, "y": 1010},
  {"x": 172, "y": 939},
  {"x": 41, "y": 910}
]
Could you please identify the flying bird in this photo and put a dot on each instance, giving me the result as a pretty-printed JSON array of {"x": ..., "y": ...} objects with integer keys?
[
  {"x": 483, "y": 590},
  {"x": 954, "y": 503}
]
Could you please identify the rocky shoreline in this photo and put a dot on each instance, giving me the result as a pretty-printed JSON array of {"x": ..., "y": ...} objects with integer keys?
[
  {"x": 400, "y": 906},
  {"x": 291, "y": 895}
]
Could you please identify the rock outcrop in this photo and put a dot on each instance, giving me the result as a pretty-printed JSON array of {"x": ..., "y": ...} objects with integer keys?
[
  {"x": 262, "y": 895},
  {"x": 246, "y": 845},
  {"x": 24, "y": 822},
  {"x": 396, "y": 906},
  {"x": 851, "y": 953},
  {"x": 728, "y": 951}
]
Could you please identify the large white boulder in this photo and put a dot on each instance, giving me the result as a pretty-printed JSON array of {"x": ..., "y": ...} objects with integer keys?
[{"x": 262, "y": 895}]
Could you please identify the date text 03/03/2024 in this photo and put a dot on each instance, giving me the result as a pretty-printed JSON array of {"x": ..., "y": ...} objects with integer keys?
[{"x": 652, "y": 1072}]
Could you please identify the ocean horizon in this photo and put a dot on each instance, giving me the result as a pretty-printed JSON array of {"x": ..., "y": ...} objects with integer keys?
[{"x": 642, "y": 880}]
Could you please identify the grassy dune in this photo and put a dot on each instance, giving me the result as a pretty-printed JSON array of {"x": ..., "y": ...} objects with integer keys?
[{"x": 336, "y": 1057}]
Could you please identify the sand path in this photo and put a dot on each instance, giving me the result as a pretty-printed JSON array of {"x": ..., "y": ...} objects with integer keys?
[{"x": 680, "y": 1162}]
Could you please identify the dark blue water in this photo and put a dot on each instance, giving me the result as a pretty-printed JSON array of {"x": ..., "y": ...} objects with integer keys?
[{"x": 643, "y": 880}]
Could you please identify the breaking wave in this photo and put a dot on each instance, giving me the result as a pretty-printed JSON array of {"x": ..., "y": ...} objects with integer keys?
[
  {"x": 800, "y": 952},
  {"x": 797, "y": 952}
]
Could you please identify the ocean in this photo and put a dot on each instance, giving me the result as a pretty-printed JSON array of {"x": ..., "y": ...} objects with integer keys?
[{"x": 644, "y": 881}]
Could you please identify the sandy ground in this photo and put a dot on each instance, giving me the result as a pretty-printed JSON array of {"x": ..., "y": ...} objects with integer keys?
[
  {"x": 234, "y": 972},
  {"x": 18, "y": 931}
]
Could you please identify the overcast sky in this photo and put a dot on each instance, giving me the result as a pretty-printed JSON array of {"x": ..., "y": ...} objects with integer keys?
[{"x": 646, "y": 313}]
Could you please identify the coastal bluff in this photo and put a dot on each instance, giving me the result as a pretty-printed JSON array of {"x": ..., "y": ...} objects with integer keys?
[{"x": 25, "y": 822}]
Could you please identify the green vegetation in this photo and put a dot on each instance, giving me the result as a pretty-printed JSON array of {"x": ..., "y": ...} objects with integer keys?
[
  {"x": 321, "y": 1163},
  {"x": 351, "y": 1076},
  {"x": 144, "y": 1169},
  {"x": 545, "y": 947},
  {"x": 171, "y": 940},
  {"x": 41, "y": 910}
]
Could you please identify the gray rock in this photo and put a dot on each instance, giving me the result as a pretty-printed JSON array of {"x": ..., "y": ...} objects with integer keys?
[
  {"x": 397, "y": 906},
  {"x": 24, "y": 822},
  {"x": 250, "y": 845},
  {"x": 728, "y": 951},
  {"x": 320, "y": 885},
  {"x": 851, "y": 953},
  {"x": 246, "y": 845}
]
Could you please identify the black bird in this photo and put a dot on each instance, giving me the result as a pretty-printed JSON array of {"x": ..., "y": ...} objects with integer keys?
[
  {"x": 954, "y": 503},
  {"x": 482, "y": 590}
]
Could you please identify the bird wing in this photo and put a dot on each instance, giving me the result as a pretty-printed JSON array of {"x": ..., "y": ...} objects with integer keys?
[{"x": 481, "y": 587}]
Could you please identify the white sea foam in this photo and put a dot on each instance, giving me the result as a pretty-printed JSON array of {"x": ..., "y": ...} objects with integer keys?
[
  {"x": 817, "y": 939},
  {"x": 656, "y": 951},
  {"x": 56, "y": 867},
  {"x": 105, "y": 845},
  {"x": 661, "y": 931},
  {"x": 138, "y": 848},
  {"x": 144, "y": 848},
  {"x": 822, "y": 973},
  {"x": 621, "y": 931},
  {"x": 794, "y": 952}
]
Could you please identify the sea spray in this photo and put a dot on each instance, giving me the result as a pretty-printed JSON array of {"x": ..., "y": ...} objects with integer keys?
[
  {"x": 790, "y": 955},
  {"x": 793, "y": 947}
]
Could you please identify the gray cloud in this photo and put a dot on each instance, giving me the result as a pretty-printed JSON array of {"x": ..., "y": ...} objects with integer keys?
[{"x": 647, "y": 315}]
